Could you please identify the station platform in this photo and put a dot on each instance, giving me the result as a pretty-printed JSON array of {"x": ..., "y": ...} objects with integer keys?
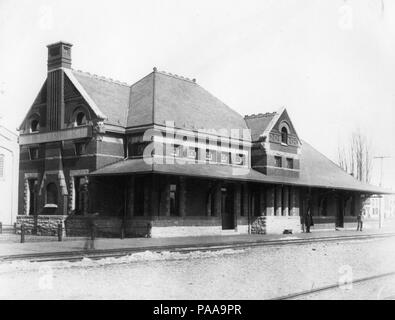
[{"x": 38, "y": 248}]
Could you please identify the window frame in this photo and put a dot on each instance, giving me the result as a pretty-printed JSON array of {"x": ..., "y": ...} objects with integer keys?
[
  {"x": 278, "y": 161},
  {"x": 290, "y": 161},
  {"x": 36, "y": 153}
]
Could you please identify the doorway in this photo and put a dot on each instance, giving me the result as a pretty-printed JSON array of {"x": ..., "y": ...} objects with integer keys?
[{"x": 227, "y": 209}]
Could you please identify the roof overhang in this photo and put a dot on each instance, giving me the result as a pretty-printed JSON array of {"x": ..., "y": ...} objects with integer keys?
[{"x": 222, "y": 172}]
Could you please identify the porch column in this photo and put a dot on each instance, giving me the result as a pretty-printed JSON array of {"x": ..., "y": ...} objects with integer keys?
[
  {"x": 154, "y": 196},
  {"x": 181, "y": 204},
  {"x": 270, "y": 201},
  {"x": 285, "y": 201},
  {"x": 85, "y": 197},
  {"x": 130, "y": 212},
  {"x": 237, "y": 200},
  {"x": 217, "y": 199},
  {"x": 294, "y": 206},
  {"x": 208, "y": 204},
  {"x": 165, "y": 197},
  {"x": 245, "y": 199},
  {"x": 278, "y": 200},
  {"x": 147, "y": 197},
  {"x": 26, "y": 197},
  {"x": 262, "y": 199}
]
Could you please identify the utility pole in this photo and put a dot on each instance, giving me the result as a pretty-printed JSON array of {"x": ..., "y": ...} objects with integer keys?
[
  {"x": 381, "y": 181},
  {"x": 381, "y": 166}
]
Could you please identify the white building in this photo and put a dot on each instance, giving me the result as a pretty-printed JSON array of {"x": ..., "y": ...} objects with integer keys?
[{"x": 9, "y": 167}]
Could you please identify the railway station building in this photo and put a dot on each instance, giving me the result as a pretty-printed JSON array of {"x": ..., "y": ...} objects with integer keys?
[{"x": 164, "y": 157}]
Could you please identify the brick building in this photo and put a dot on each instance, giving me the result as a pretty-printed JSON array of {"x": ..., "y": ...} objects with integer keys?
[{"x": 164, "y": 157}]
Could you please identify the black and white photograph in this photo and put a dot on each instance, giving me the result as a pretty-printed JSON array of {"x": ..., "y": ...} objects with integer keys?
[{"x": 197, "y": 151}]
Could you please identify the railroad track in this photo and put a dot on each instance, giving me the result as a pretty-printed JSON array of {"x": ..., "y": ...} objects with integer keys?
[
  {"x": 119, "y": 252},
  {"x": 336, "y": 286}
]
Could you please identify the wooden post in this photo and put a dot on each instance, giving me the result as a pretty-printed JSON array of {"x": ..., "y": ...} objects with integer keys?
[
  {"x": 182, "y": 197},
  {"x": 22, "y": 233},
  {"x": 60, "y": 232},
  {"x": 270, "y": 201},
  {"x": 285, "y": 202},
  {"x": 262, "y": 199},
  {"x": 279, "y": 201}
]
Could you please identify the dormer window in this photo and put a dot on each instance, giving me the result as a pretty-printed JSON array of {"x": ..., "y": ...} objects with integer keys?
[
  {"x": 34, "y": 125},
  {"x": 80, "y": 119},
  {"x": 284, "y": 135}
]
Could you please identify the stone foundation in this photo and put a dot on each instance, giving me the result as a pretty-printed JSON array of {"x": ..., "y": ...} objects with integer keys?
[
  {"x": 110, "y": 227},
  {"x": 46, "y": 225}
]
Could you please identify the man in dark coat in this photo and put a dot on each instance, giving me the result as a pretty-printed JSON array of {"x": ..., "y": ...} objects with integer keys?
[{"x": 308, "y": 219}]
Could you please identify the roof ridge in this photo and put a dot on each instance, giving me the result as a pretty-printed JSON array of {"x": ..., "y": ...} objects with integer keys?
[
  {"x": 176, "y": 76},
  {"x": 95, "y": 76},
  {"x": 259, "y": 115}
]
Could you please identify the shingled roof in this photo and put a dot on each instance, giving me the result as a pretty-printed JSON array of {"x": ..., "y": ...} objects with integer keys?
[
  {"x": 157, "y": 98},
  {"x": 111, "y": 97},
  {"x": 258, "y": 123}
]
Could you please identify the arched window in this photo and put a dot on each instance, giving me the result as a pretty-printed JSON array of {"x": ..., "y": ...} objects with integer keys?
[
  {"x": 52, "y": 193},
  {"x": 80, "y": 119},
  {"x": 284, "y": 135},
  {"x": 34, "y": 125}
]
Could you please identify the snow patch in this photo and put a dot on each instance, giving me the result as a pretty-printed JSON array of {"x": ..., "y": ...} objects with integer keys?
[{"x": 134, "y": 257}]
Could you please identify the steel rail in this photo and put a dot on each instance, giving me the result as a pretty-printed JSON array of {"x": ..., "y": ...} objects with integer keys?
[
  {"x": 119, "y": 252},
  {"x": 332, "y": 287}
]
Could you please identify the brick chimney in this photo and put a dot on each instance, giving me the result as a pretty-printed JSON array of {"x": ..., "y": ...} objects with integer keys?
[{"x": 59, "y": 55}]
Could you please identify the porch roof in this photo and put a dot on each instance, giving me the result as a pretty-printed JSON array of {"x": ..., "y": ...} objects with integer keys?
[{"x": 316, "y": 171}]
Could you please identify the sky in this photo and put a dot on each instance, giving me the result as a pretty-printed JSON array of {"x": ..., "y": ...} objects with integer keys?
[{"x": 330, "y": 63}]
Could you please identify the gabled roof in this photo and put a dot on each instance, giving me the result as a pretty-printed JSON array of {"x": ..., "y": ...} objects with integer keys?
[
  {"x": 262, "y": 124},
  {"x": 157, "y": 98},
  {"x": 316, "y": 171}
]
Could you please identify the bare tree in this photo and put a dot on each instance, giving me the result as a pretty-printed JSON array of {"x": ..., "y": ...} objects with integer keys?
[{"x": 355, "y": 156}]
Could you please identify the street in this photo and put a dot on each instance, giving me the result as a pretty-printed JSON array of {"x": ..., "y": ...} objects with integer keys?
[{"x": 253, "y": 273}]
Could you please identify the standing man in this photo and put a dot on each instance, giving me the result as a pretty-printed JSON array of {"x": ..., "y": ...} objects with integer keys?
[
  {"x": 360, "y": 219},
  {"x": 308, "y": 219}
]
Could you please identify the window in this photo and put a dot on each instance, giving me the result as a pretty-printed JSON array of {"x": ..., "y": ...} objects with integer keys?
[
  {"x": 80, "y": 119},
  {"x": 290, "y": 163},
  {"x": 209, "y": 155},
  {"x": 33, "y": 153},
  {"x": 1, "y": 165},
  {"x": 192, "y": 153},
  {"x": 34, "y": 125},
  {"x": 80, "y": 148},
  {"x": 224, "y": 158},
  {"x": 175, "y": 151},
  {"x": 173, "y": 200},
  {"x": 52, "y": 193},
  {"x": 284, "y": 135},
  {"x": 239, "y": 159},
  {"x": 136, "y": 145},
  {"x": 278, "y": 162}
]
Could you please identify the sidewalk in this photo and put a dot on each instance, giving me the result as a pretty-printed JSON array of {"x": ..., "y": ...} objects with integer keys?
[{"x": 104, "y": 246}]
